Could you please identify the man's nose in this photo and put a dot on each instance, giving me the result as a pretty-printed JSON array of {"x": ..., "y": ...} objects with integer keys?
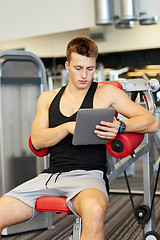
[{"x": 84, "y": 73}]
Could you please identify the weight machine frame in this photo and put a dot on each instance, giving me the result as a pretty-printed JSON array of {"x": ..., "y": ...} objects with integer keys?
[{"x": 114, "y": 170}]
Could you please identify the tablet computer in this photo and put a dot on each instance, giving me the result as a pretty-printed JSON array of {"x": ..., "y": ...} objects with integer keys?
[{"x": 86, "y": 121}]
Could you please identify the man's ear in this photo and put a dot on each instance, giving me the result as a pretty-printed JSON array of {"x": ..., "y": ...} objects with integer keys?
[{"x": 66, "y": 65}]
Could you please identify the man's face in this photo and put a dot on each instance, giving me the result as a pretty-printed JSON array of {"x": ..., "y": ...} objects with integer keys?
[{"x": 81, "y": 69}]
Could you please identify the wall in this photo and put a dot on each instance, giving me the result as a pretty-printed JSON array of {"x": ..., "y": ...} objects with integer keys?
[
  {"x": 53, "y": 45},
  {"x": 28, "y": 18},
  {"x": 45, "y": 27},
  {"x": 140, "y": 37}
]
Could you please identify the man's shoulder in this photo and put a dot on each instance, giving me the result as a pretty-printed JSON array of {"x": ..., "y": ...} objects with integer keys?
[
  {"x": 47, "y": 96},
  {"x": 50, "y": 93},
  {"x": 105, "y": 87},
  {"x": 107, "y": 93}
]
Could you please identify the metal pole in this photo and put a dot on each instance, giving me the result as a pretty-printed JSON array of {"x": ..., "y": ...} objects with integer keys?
[{"x": 148, "y": 185}]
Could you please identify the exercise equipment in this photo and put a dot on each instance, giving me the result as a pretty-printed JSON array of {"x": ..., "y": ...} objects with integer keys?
[
  {"x": 151, "y": 235},
  {"x": 58, "y": 205},
  {"x": 22, "y": 80},
  {"x": 124, "y": 144},
  {"x": 143, "y": 213},
  {"x": 38, "y": 152},
  {"x": 50, "y": 204},
  {"x": 119, "y": 148}
]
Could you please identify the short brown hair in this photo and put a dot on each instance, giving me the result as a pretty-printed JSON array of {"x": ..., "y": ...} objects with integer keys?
[{"x": 83, "y": 46}]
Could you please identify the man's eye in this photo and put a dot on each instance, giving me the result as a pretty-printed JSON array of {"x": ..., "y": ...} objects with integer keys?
[
  {"x": 90, "y": 69},
  {"x": 78, "y": 68}
]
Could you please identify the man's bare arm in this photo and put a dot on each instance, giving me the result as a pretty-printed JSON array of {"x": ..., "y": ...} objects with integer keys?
[
  {"x": 42, "y": 136},
  {"x": 138, "y": 120}
]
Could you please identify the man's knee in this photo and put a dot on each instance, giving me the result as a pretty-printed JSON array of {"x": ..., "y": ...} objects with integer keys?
[
  {"x": 92, "y": 207},
  {"x": 95, "y": 211},
  {"x": 91, "y": 203}
]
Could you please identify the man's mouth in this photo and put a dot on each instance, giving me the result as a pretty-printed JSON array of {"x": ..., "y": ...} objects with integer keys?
[{"x": 82, "y": 81}]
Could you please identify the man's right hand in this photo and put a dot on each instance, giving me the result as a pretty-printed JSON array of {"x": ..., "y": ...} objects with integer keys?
[{"x": 71, "y": 127}]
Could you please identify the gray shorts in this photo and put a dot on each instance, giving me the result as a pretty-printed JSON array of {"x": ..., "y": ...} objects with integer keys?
[{"x": 67, "y": 184}]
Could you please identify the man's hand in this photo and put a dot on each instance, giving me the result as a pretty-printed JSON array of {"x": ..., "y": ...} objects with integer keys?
[
  {"x": 70, "y": 126},
  {"x": 107, "y": 130}
]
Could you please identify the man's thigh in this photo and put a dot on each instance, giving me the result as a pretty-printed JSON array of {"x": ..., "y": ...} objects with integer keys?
[
  {"x": 29, "y": 191},
  {"x": 13, "y": 211}
]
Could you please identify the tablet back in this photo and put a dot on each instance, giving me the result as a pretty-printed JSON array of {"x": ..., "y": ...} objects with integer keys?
[{"x": 86, "y": 121}]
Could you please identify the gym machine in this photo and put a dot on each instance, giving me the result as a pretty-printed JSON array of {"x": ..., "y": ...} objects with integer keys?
[
  {"x": 22, "y": 79},
  {"x": 144, "y": 214}
]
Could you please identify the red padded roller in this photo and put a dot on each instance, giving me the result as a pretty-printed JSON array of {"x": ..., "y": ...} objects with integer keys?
[
  {"x": 52, "y": 204},
  {"x": 124, "y": 144},
  {"x": 38, "y": 152},
  {"x": 115, "y": 83}
]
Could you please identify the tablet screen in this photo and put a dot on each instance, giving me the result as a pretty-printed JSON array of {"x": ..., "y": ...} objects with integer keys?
[{"x": 86, "y": 121}]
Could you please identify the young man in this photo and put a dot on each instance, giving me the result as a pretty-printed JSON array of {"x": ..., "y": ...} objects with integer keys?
[{"x": 77, "y": 172}]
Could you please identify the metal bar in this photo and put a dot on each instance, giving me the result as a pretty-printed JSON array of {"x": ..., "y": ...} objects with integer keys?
[
  {"x": 148, "y": 180},
  {"x": 123, "y": 164},
  {"x": 20, "y": 54},
  {"x": 110, "y": 164},
  {"x": 77, "y": 229},
  {"x": 2, "y": 169}
]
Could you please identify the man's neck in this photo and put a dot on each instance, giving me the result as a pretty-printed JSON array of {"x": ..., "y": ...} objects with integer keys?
[{"x": 71, "y": 89}]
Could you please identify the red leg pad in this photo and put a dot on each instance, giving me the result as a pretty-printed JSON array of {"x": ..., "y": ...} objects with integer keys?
[
  {"x": 52, "y": 204},
  {"x": 124, "y": 144},
  {"x": 40, "y": 152}
]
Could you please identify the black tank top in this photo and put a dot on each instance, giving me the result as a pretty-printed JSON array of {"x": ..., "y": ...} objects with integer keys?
[{"x": 64, "y": 156}]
